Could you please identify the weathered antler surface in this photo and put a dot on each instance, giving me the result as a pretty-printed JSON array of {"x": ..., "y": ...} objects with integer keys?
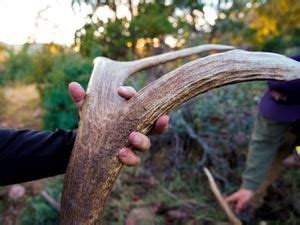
[{"x": 107, "y": 119}]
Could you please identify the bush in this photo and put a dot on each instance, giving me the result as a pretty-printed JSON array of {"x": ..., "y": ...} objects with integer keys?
[
  {"x": 60, "y": 111},
  {"x": 37, "y": 211},
  {"x": 212, "y": 130},
  {"x": 18, "y": 67}
]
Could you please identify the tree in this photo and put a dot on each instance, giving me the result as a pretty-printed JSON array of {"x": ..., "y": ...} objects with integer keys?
[
  {"x": 18, "y": 66},
  {"x": 144, "y": 24},
  {"x": 263, "y": 25}
]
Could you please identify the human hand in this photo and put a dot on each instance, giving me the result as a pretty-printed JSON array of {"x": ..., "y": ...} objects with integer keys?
[
  {"x": 238, "y": 200},
  {"x": 138, "y": 140}
]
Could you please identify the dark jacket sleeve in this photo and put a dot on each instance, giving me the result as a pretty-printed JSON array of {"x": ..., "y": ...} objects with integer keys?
[{"x": 27, "y": 155}]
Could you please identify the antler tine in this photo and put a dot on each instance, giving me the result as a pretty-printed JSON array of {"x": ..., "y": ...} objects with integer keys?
[
  {"x": 170, "y": 56},
  {"x": 207, "y": 73},
  {"x": 112, "y": 73},
  {"x": 123, "y": 70}
]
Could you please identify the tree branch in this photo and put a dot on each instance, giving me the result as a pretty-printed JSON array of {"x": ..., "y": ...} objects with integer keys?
[{"x": 225, "y": 207}]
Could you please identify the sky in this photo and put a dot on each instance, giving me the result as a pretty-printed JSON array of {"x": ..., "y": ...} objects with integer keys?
[
  {"x": 45, "y": 21},
  {"x": 58, "y": 21}
]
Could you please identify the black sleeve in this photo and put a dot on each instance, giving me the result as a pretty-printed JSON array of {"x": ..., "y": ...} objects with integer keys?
[{"x": 27, "y": 155}]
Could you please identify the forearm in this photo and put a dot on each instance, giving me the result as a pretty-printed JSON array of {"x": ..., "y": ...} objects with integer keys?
[
  {"x": 28, "y": 155},
  {"x": 266, "y": 139}
]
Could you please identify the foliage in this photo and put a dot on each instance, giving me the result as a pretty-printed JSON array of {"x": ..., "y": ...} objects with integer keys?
[
  {"x": 264, "y": 25},
  {"x": 150, "y": 22},
  {"x": 255, "y": 24},
  {"x": 89, "y": 45},
  {"x": 52, "y": 68},
  {"x": 210, "y": 124},
  {"x": 43, "y": 61},
  {"x": 19, "y": 66},
  {"x": 60, "y": 111},
  {"x": 37, "y": 211},
  {"x": 119, "y": 35}
]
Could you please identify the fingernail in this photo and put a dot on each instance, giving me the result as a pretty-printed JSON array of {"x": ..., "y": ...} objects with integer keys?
[
  {"x": 123, "y": 153},
  {"x": 166, "y": 125},
  {"x": 122, "y": 89},
  {"x": 167, "y": 118},
  {"x": 136, "y": 139},
  {"x": 167, "y": 121}
]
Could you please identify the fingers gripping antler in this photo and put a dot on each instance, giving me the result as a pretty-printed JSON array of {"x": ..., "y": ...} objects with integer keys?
[{"x": 107, "y": 120}]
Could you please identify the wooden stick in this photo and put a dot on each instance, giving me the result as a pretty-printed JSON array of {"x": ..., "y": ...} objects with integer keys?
[
  {"x": 51, "y": 200},
  {"x": 220, "y": 199}
]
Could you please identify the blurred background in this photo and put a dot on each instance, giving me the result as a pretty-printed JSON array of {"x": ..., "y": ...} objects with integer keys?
[{"x": 44, "y": 45}]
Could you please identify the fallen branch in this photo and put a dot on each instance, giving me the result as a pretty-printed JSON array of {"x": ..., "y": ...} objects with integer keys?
[
  {"x": 225, "y": 207},
  {"x": 51, "y": 200},
  {"x": 207, "y": 152}
]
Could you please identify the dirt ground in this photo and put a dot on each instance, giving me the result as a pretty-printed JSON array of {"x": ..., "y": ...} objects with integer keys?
[{"x": 20, "y": 107}]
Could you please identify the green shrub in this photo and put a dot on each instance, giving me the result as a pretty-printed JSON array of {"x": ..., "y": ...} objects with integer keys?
[
  {"x": 59, "y": 110},
  {"x": 37, "y": 211},
  {"x": 19, "y": 65}
]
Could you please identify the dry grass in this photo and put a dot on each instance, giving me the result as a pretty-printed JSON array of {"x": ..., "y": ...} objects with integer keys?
[{"x": 22, "y": 107}]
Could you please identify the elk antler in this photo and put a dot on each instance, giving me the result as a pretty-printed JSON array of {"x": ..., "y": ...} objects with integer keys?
[{"x": 107, "y": 119}]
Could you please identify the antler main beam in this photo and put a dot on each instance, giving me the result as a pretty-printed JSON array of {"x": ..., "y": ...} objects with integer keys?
[{"x": 107, "y": 120}]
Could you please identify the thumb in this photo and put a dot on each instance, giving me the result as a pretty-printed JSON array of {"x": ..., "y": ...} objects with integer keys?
[
  {"x": 232, "y": 198},
  {"x": 77, "y": 93}
]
